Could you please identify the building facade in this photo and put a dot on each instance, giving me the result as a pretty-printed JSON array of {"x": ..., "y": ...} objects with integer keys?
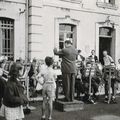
[
  {"x": 89, "y": 24},
  {"x": 12, "y": 28}
]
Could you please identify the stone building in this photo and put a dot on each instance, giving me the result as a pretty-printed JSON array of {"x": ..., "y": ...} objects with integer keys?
[
  {"x": 37, "y": 26},
  {"x": 12, "y": 28}
]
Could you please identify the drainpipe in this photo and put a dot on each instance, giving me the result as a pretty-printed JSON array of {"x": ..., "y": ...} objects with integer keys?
[{"x": 27, "y": 31}]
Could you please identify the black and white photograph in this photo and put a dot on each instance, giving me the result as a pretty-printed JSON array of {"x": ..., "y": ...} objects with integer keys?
[{"x": 59, "y": 60}]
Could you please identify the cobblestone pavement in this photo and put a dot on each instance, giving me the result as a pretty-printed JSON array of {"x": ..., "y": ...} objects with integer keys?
[{"x": 100, "y": 111}]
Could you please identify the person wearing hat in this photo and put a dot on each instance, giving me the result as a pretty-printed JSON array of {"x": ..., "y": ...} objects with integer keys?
[{"x": 68, "y": 68}]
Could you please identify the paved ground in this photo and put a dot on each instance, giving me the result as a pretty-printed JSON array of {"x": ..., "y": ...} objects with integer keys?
[{"x": 100, "y": 111}]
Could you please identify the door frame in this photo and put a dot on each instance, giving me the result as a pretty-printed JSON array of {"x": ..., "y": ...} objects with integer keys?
[{"x": 98, "y": 26}]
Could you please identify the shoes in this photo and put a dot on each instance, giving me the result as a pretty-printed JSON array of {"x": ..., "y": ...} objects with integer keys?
[
  {"x": 113, "y": 101},
  {"x": 91, "y": 101},
  {"x": 106, "y": 99}
]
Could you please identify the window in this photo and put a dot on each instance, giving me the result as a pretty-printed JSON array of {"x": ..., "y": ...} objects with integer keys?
[
  {"x": 108, "y": 1},
  {"x": 111, "y": 4},
  {"x": 66, "y": 31},
  {"x": 105, "y": 31},
  {"x": 7, "y": 37}
]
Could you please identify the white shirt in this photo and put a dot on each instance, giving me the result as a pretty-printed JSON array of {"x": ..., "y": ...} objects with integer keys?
[
  {"x": 107, "y": 60},
  {"x": 49, "y": 75}
]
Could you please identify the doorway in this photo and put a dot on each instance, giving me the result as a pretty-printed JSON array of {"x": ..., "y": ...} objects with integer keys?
[{"x": 106, "y": 42}]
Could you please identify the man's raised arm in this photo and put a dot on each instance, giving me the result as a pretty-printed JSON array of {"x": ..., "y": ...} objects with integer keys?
[{"x": 56, "y": 52}]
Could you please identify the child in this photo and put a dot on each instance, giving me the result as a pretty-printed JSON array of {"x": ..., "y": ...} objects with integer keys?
[
  {"x": 14, "y": 99},
  {"x": 49, "y": 87}
]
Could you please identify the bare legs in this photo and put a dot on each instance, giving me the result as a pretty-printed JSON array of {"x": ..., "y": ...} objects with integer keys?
[{"x": 49, "y": 103}]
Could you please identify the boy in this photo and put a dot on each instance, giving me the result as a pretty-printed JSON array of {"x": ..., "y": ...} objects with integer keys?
[{"x": 49, "y": 87}]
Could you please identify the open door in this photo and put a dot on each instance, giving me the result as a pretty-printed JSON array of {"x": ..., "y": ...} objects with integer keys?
[{"x": 106, "y": 42}]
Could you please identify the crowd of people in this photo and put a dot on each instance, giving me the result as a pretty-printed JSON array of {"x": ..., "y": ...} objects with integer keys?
[
  {"x": 86, "y": 75},
  {"x": 80, "y": 75}
]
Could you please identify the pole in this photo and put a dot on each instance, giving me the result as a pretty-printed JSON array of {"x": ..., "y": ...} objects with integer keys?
[{"x": 26, "y": 30}]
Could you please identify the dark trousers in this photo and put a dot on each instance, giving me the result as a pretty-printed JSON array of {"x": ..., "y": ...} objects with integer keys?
[
  {"x": 69, "y": 86},
  {"x": 113, "y": 82},
  {"x": 79, "y": 87}
]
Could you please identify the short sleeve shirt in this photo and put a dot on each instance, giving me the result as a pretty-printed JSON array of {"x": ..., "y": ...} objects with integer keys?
[{"x": 107, "y": 60}]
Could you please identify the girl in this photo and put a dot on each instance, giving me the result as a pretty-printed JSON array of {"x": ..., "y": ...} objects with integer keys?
[{"x": 14, "y": 99}]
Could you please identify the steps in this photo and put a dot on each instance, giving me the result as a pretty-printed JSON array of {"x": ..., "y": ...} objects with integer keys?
[{"x": 69, "y": 106}]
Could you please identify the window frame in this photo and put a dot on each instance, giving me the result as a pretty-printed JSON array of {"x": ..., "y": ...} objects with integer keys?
[
  {"x": 66, "y": 32},
  {"x": 104, "y": 4},
  {"x": 7, "y": 41}
]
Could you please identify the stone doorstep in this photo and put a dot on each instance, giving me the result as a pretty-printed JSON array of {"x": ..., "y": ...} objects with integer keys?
[{"x": 69, "y": 106}]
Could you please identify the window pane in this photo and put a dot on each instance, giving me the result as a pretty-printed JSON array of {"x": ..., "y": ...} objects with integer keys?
[
  {"x": 69, "y": 35},
  {"x": 105, "y": 31},
  {"x": 110, "y": 1},
  {"x": 62, "y": 27},
  {"x": 7, "y": 28},
  {"x": 61, "y": 36},
  {"x": 68, "y": 28}
]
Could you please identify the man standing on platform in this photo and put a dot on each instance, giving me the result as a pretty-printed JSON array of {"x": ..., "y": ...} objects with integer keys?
[{"x": 68, "y": 68}]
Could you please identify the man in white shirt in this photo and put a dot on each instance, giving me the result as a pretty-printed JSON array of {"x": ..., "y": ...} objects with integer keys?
[
  {"x": 107, "y": 59},
  {"x": 107, "y": 62}
]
